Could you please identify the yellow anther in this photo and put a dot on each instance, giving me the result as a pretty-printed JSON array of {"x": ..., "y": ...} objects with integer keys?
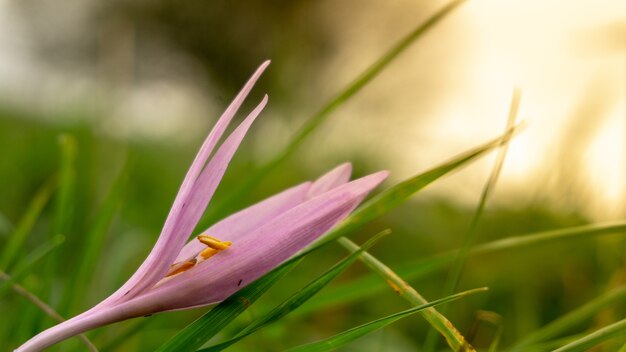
[
  {"x": 214, "y": 243},
  {"x": 208, "y": 252},
  {"x": 180, "y": 267}
]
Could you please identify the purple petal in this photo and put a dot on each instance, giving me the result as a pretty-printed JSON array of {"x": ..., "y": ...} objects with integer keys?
[
  {"x": 258, "y": 251},
  {"x": 234, "y": 226},
  {"x": 169, "y": 244},
  {"x": 170, "y": 233},
  {"x": 242, "y": 222},
  {"x": 335, "y": 177}
]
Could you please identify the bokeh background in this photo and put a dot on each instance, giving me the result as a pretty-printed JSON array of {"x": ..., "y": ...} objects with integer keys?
[{"x": 134, "y": 86}]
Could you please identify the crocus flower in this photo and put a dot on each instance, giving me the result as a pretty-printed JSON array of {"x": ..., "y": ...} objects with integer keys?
[{"x": 232, "y": 253}]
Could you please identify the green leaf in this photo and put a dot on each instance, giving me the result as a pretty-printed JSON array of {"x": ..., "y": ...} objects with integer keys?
[
  {"x": 204, "y": 328},
  {"x": 595, "y": 338},
  {"x": 370, "y": 285},
  {"x": 95, "y": 237},
  {"x": 468, "y": 240},
  {"x": 453, "y": 337},
  {"x": 64, "y": 201},
  {"x": 299, "y": 297},
  {"x": 401, "y": 192},
  {"x": 354, "y": 333},
  {"x": 312, "y": 123},
  {"x": 28, "y": 264},
  {"x": 26, "y": 223},
  {"x": 572, "y": 318}
]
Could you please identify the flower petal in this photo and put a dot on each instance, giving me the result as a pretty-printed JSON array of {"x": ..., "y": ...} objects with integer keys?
[
  {"x": 169, "y": 244},
  {"x": 168, "y": 238},
  {"x": 335, "y": 177},
  {"x": 238, "y": 224},
  {"x": 242, "y": 222},
  {"x": 258, "y": 251}
]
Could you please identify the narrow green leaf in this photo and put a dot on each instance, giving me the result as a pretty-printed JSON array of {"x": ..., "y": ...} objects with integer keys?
[
  {"x": 365, "y": 286},
  {"x": 453, "y": 337},
  {"x": 316, "y": 120},
  {"x": 401, "y": 192},
  {"x": 468, "y": 240},
  {"x": 95, "y": 237},
  {"x": 595, "y": 338},
  {"x": 43, "y": 307},
  {"x": 28, "y": 264},
  {"x": 572, "y": 318},
  {"x": 26, "y": 224},
  {"x": 64, "y": 200},
  {"x": 204, "y": 328},
  {"x": 370, "y": 285},
  {"x": 299, "y": 297},
  {"x": 343, "y": 338}
]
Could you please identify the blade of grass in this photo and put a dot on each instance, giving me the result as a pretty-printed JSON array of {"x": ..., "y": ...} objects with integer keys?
[
  {"x": 96, "y": 235},
  {"x": 595, "y": 338},
  {"x": 370, "y": 285},
  {"x": 297, "y": 299},
  {"x": 347, "y": 336},
  {"x": 113, "y": 343},
  {"x": 458, "y": 264},
  {"x": 26, "y": 223},
  {"x": 204, "y": 328},
  {"x": 362, "y": 287},
  {"x": 49, "y": 311},
  {"x": 401, "y": 192},
  {"x": 27, "y": 265},
  {"x": 453, "y": 337},
  {"x": 64, "y": 204},
  {"x": 572, "y": 318},
  {"x": 311, "y": 124}
]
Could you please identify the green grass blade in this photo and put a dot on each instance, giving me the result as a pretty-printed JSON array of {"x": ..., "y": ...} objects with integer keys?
[
  {"x": 458, "y": 264},
  {"x": 26, "y": 223},
  {"x": 370, "y": 285},
  {"x": 362, "y": 287},
  {"x": 207, "y": 326},
  {"x": 354, "y": 333},
  {"x": 595, "y": 338},
  {"x": 299, "y": 297},
  {"x": 44, "y": 307},
  {"x": 95, "y": 238},
  {"x": 64, "y": 201},
  {"x": 401, "y": 192},
  {"x": 571, "y": 319},
  {"x": 451, "y": 334},
  {"x": 316, "y": 120},
  {"x": 28, "y": 264}
]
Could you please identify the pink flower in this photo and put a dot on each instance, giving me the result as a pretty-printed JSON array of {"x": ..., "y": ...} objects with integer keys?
[{"x": 232, "y": 253}]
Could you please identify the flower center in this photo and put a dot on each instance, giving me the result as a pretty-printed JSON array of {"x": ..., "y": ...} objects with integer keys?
[{"x": 214, "y": 246}]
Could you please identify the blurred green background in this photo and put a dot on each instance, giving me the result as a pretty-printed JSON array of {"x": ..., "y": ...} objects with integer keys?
[{"x": 127, "y": 90}]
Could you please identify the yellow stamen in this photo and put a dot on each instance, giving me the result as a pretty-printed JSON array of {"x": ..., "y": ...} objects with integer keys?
[
  {"x": 214, "y": 242},
  {"x": 208, "y": 252},
  {"x": 214, "y": 246},
  {"x": 180, "y": 267}
]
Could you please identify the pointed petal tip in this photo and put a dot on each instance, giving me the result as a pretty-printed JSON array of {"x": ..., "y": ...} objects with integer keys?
[
  {"x": 332, "y": 179},
  {"x": 372, "y": 181},
  {"x": 345, "y": 168}
]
